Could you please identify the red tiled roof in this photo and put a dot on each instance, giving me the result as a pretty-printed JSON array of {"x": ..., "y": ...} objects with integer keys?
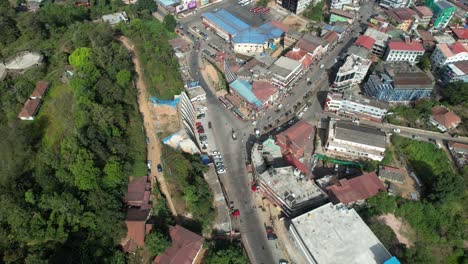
[
  {"x": 426, "y": 35},
  {"x": 365, "y": 42},
  {"x": 401, "y": 14},
  {"x": 263, "y": 90},
  {"x": 462, "y": 66},
  {"x": 445, "y": 117},
  {"x": 233, "y": 99},
  {"x": 308, "y": 46},
  {"x": 30, "y": 108},
  {"x": 184, "y": 249},
  {"x": 298, "y": 134},
  {"x": 138, "y": 192},
  {"x": 404, "y": 45},
  {"x": 458, "y": 47},
  {"x": 136, "y": 224},
  {"x": 459, "y": 146},
  {"x": 331, "y": 37},
  {"x": 293, "y": 161},
  {"x": 424, "y": 10},
  {"x": 307, "y": 61},
  {"x": 356, "y": 189},
  {"x": 296, "y": 54},
  {"x": 41, "y": 88},
  {"x": 342, "y": 13},
  {"x": 460, "y": 33}
]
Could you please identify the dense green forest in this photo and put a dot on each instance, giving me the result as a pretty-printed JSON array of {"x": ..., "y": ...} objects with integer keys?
[
  {"x": 439, "y": 219},
  {"x": 63, "y": 175}
]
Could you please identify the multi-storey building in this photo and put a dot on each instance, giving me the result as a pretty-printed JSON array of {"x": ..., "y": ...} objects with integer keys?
[
  {"x": 445, "y": 54},
  {"x": 403, "y": 18},
  {"x": 284, "y": 70},
  {"x": 443, "y": 12},
  {"x": 381, "y": 41},
  {"x": 407, "y": 50},
  {"x": 403, "y": 87},
  {"x": 340, "y": 4},
  {"x": 297, "y": 6},
  {"x": 353, "y": 71},
  {"x": 355, "y": 141},
  {"x": 457, "y": 71},
  {"x": 356, "y": 107},
  {"x": 394, "y": 3},
  {"x": 424, "y": 15}
]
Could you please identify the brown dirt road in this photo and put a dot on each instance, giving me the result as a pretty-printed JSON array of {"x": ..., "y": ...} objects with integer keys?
[{"x": 154, "y": 146}]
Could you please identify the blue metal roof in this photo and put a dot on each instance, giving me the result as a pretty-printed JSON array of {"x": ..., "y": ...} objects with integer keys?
[
  {"x": 244, "y": 89},
  {"x": 392, "y": 260},
  {"x": 226, "y": 21},
  {"x": 167, "y": 3},
  {"x": 337, "y": 29},
  {"x": 258, "y": 35}
]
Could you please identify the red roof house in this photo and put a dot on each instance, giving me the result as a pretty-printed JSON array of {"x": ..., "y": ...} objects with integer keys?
[
  {"x": 356, "y": 189},
  {"x": 294, "y": 139},
  {"x": 307, "y": 45},
  {"x": 331, "y": 37},
  {"x": 138, "y": 193},
  {"x": 444, "y": 119},
  {"x": 136, "y": 229},
  {"x": 264, "y": 91},
  {"x": 405, "y": 45},
  {"x": 296, "y": 53},
  {"x": 40, "y": 90},
  {"x": 365, "y": 42},
  {"x": 185, "y": 248},
  {"x": 460, "y": 34},
  {"x": 30, "y": 109}
]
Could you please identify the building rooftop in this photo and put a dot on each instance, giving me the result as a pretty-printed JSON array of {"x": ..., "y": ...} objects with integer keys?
[
  {"x": 412, "y": 80},
  {"x": 184, "y": 247},
  {"x": 444, "y": 4},
  {"x": 443, "y": 38},
  {"x": 227, "y": 21},
  {"x": 452, "y": 50},
  {"x": 356, "y": 189},
  {"x": 460, "y": 33},
  {"x": 445, "y": 117},
  {"x": 138, "y": 192},
  {"x": 391, "y": 173},
  {"x": 424, "y": 10},
  {"x": 40, "y": 89},
  {"x": 401, "y": 14},
  {"x": 407, "y": 45},
  {"x": 354, "y": 62},
  {"x": 30, "y": 108},
  {"x": 298, "y": 134},
  {"x": 284, "y": 66},
  {"x": 263, "y": 90},
  {"x": 342, "y": 13},
  {"x": 331, "y": 37},
  {"x": 380, "y": 37},
  {"x": 365, "y": 42},
  {"x": 459, "y": 147},
  {"x": 459, "y": 68},
  {"x": 115, "y": 18},
  {"x": 307, "y": 45},
  {"x": 364, "y": 100},
  {"x": 244, "y": 89},
  {"x": 296, "y": 53},
  {"x": 336, "y": 234},
  {"x": 361, "y": 134},
  {"x": 290, "y": 185},
  {"x": 338, "y": 29},
  {"x": 258, "y": 35}
]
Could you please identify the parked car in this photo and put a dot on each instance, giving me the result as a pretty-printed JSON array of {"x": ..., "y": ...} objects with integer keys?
[
  {"x": 266, "y": 11},
  {"x": 200, "y": 116},
  {"x": 396, "y": 130},
  {"x": 197, "y": 124},
  {"x": 209, "y": 124},
  {"x": 201, "y": 131},
  {"x": 147, "y": 140},
  {"x": 159, "y": 168},
  {"x": 148, "y": 163}
]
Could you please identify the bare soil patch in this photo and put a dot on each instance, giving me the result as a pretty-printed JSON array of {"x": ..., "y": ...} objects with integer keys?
[{"x": 401, "y": 229}]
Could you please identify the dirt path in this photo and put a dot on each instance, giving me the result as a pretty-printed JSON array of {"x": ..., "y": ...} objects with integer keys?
[
  {"x": 154, "y": 147},
  {"x": 400, "y": 229}
]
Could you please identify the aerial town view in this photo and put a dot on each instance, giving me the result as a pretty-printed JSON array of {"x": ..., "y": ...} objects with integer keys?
[{"x": 234, "y": 131}]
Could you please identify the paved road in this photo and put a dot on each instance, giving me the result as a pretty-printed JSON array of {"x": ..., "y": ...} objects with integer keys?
[{"x": 235, "y": 180}]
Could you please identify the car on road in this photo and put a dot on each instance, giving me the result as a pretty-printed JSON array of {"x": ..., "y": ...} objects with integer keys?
[
  {"x": 147, "y": 140},
  {"x": 396, "y": 130},
  {"x": 209, "y": 125},
  {"x": 234, "y": 134},
  {"x": 200, "y": 116},
  {"x": 201, "y": 131},
  {"x": 266, "y": 11},
  {"x": 197, "y": 124},
  {"x": 148, "y": 163},
  {"x": 159, "y": 168},
  {"x": 220, "y": 171},
  {"x": 215, "y": 152},
  {"x": 300, "y": 114},
  {"x": 321, "y": 66}
]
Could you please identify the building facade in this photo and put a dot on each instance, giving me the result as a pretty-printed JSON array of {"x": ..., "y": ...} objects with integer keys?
[
  {"x": 407, "y": 50},
  {"x": 352, "y": 72},
  {"x": 349, "y": 106},
  {"x": 445, "y": 54},
  {"x": 454, "y": 72},
  {"x": 394, "y": 3},
  {"x": 381, "y": 41},
  {"x": 296, "y": 6},
  {"x": 355, "y": 141},
  {"x": 443, "y": 12},
  {"x": 424, "y": 15},
  {"x": 404, "y": 87}
]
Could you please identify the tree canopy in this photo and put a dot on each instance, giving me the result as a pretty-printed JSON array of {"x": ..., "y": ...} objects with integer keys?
[{"x": 456, "y": 93}]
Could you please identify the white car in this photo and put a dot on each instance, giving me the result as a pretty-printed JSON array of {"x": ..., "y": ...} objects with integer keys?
[
  {"x": 396, "y": 130},
  {"x": 215, "y": 152},
  {"x": 220, "y": 171},
  {"x": 321, "y": 66},
  {"x": 300, "y": 114},
  {"x": 149, "y": 164}
]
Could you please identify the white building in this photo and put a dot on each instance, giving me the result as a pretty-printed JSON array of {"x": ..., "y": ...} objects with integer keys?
[
  {"x": 445, "y": 54},
  {"x": 115, "y": 18},
  {"x": 284, "y": 70},
  {"x": 356, "y": 141},
  {"x": 355, "y": 107},
  {"x": 389, "y": 4},
  {"x": 353, "y": 71},
  {"x": 407, "y": 50},
  {"x": 344, "y": 4},
  {"x": 381, "y": 41},
  {"x": 336, "y": 234}
]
